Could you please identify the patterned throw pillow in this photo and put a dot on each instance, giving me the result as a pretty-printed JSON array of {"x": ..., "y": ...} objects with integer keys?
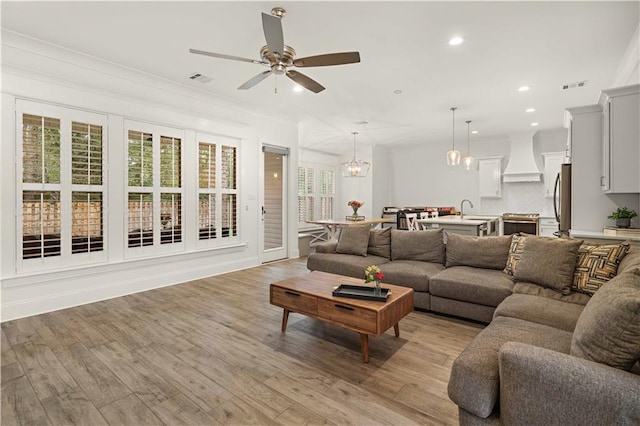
[
  {"x": 596, "y": 265},
  {"x": 515, "y": 252}
]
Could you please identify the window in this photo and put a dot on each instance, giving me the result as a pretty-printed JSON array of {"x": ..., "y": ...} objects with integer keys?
[
  {"x": 154, "y": 188},
  {"x": 62, "y": 194},
  {"x": 327, "y": 193},
  {"x": 309, "y": 192},
  {"x": 306, "y": 194},
  {"x": 217, "y": 189}
]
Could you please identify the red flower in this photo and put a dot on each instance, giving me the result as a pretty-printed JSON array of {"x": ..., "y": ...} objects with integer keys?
[{"x": 379, "y": 275}]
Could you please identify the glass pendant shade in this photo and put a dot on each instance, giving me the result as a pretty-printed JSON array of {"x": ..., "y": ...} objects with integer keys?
[
  {"x": 355, "y": 168},
  {"x": 467, "y": 160},
  {"x": 453, "y": 155}
]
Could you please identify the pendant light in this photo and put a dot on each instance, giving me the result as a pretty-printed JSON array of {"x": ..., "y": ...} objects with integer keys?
[
  {"x": 453, "y": 156},
  {"x": 355, "y": 168},
  {"x": 467, "y": 160}
]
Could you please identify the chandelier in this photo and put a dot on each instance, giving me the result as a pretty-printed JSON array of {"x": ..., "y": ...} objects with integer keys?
[{"x": 355, "y": 168}]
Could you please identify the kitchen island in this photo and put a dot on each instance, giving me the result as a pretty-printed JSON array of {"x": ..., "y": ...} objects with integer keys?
[{"x": 477, "y": 226}]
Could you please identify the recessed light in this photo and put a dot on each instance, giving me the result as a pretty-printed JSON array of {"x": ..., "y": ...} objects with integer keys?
[
  {"x": 297, "y": 88},
  {"x": 523, "y": 88},
  {"x": 474, "y": 132},
  {"x": 397, "y": 92},
  {"x": 456, "y": 41},
  {"x": 534, "y": 124},
  {"x": 530, "y": 110}
]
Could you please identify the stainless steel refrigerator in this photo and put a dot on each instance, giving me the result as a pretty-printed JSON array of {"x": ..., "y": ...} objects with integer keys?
[{"x": 562, "y": 200}]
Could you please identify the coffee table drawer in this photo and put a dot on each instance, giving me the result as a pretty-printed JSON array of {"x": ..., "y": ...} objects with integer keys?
[
  {"x": 344, "y": 313},
  {"x": 293, "y": 300}
]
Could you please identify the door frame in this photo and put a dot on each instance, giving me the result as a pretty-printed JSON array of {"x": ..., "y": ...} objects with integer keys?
[{"x": 280, "y": 253}]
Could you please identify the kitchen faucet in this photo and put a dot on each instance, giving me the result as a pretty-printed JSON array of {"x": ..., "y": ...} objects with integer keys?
[{"x": 462, "y": 207}]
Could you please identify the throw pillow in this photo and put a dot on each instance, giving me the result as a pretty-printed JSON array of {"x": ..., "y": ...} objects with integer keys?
[
  {"x": 354, "y": 240},
  {"x": 548, "y": 262},
  {"x": 515, "y": 250},
  {"x": 479, "y": 252},
  {"x": 608, "y": 330},
  {"x": 427, "y": 246},
  {"x": 597, "y": 265},
  {"x": 380, "y": 242}
]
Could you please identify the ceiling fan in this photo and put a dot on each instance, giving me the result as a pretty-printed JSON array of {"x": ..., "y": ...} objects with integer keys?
[{"x": 279, "y": 57}]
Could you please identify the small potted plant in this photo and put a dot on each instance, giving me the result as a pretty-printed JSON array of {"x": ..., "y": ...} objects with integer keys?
[{"x": 623, "y": 217}]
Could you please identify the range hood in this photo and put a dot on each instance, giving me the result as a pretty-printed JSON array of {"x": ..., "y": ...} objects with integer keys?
[{"x": 522, "y": 165}]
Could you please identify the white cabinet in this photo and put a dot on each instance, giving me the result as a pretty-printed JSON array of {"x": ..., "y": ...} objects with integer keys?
[
  {"x": 548, "y": 225},
  {"x": 621, "y": 140},
  {"x": 552, "y": 163},
  {"x": 490, "y": 171}
]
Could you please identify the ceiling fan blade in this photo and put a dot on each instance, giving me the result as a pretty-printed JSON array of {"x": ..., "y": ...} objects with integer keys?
[
  {"x": 255, "y": 80},
  {"x": 221, "y": 56},
  {"x": 272, "y": 26},
  {"x": 305, "y": 81},
  {"x": 328, "y": 59}
]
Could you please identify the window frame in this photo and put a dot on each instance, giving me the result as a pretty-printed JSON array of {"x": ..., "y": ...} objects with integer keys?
[
  {"x": 317, "y": 194},
  {"x": 157, "y": 247},
  {"x": 219, "y": 240},
  {"x": 66, "y": 188}
]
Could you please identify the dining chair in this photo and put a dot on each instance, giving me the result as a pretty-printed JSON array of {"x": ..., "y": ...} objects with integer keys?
[{"x": 412, "y": 224}]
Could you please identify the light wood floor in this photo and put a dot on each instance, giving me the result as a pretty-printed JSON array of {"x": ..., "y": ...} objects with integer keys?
[{"x": 211, "y": 352}]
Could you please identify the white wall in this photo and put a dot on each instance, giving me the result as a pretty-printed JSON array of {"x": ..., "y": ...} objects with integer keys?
[
  {"x": 629, "y": 69},
  {"x": 41, "y": 72},
  {"x": 422, "y": 177}
]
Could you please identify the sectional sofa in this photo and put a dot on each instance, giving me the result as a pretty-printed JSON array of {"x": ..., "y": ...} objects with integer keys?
[{"x": 563, "y": 341}]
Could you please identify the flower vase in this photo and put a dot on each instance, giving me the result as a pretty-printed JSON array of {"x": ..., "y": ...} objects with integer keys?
[
  {"x": 355, "y": 213},
  {"x": 377, "y": 290}
]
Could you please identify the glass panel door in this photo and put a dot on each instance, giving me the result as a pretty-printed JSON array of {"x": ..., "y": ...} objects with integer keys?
[{"x": 274, "y": 208}]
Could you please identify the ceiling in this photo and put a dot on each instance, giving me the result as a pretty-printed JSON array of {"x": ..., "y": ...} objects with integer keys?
[{"x": 403, "y": 47}]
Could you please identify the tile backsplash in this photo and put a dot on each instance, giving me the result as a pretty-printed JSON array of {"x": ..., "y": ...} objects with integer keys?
[{"x": 525, "y": 197}]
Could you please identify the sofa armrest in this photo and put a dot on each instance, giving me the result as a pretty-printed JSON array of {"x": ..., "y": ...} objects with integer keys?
[
  {"x": 543, "y": 387},
  {"x": 328, "y": 247}
]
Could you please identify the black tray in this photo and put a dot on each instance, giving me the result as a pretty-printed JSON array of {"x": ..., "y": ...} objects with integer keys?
[{"x": 360, "y": 292}]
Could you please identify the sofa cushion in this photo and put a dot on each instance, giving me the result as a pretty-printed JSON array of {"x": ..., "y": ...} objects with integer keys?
[
  {"x": 353, "y": 240},
  {"x": 549, "y": 262},
  {"x": 536, "y": 290},
  {"x": 596, "y": 265},
  {"x": 410, "y": 273},
  {"x": 479, "y": 252},
  {"x": 486, "y": 287},
  {"x": 427, "y": 246},
  {"x": 343, "y": 264},
  {"x": 608, "y": 331},
  {"x": 380, "y": 242},
  {"x": 540, "y": 310},
  {"x": 475, "y": 379},
  {"x": 515, "y": 251},
  {"x": 631, "y": 260}
]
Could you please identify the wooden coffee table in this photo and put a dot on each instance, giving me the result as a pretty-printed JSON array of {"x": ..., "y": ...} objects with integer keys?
[{"x": 310, "y": 295}]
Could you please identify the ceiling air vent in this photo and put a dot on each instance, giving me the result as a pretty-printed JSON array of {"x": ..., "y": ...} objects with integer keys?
[
  {"x": 200, "y": 77},
  {"x": 574, "y": 85}
]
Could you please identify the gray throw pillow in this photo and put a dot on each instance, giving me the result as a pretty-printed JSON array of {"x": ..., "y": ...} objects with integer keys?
[
  {"x": 380, "y": 242},
  {"x": 608, "y": 330},
  {"x": 427, "y": 246},
  {"x": 479, "y": 252},
  {"x": 548, "y": 262},
  {"x": 354, "y": 240}
]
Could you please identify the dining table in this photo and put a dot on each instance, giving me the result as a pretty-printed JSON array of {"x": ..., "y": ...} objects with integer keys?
[{"x": 333, "y": 226}]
